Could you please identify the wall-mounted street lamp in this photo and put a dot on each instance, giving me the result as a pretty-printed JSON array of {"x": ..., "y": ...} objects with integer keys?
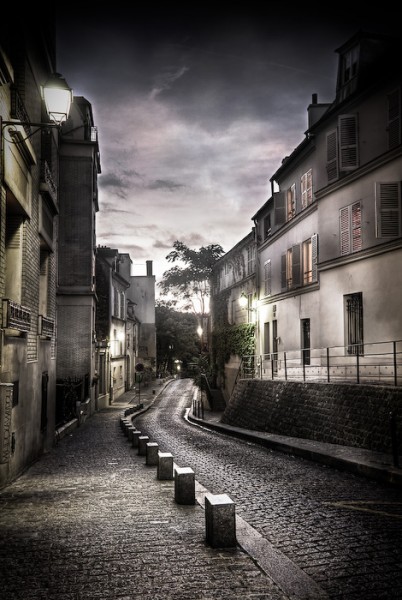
[
  {"x": 200, "y": 332},
  {"x": 243, "y": 300},
  {"x": 57, "y": 96}
]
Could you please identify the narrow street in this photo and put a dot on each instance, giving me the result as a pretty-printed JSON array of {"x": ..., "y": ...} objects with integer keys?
[
  {"x": 91, "y": 521},
  {"x": 342, "y": 530}
]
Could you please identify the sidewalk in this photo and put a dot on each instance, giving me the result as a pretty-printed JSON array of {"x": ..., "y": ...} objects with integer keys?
[
  {"x": 90, "y": 520},
  {"x": 360, "y": 461}
]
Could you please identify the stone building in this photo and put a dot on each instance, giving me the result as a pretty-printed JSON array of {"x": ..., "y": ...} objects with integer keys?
[
  {"x": 329, "y": 238},
  {"x": 125, "y": 322},
  {"x": 76, "y": 299},
  {"x": 28, "y": 244}
]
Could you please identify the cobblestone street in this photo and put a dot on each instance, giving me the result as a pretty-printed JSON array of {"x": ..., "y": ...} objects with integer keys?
[{"x": 91, "y": 521}]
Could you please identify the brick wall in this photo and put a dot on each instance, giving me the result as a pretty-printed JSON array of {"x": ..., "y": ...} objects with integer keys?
[{"x": 346, "y": 414}]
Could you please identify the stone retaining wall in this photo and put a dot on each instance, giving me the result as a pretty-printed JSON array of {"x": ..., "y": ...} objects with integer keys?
[{"x": 346, "y": 414}]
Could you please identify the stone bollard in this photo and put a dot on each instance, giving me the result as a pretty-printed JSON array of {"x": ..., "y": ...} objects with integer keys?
[
  {"x": 135, "y": 438},
  {"x": 152, "y": 454},
  {"x": 127, "y": 424},
  {"x": 184, "y": 485},
  {"x": 165, "y": 465},
  {"x": 123, "y": 423},
  {"x": 142, "y": 444},
  {"x": 130, "y": 430},
  {"x": 220, "y": 521}
]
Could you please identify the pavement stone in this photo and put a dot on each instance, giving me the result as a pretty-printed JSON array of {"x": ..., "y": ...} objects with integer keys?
[{"x": 91, "y": 521}]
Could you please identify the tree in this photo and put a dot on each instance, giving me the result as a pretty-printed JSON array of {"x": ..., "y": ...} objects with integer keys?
[
  {"x": 176, "y": 337},
  {"x": 190, "y": 283}
]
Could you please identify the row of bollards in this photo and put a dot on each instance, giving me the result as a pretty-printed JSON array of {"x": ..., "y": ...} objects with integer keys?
[{"x": 220, "y": 519}]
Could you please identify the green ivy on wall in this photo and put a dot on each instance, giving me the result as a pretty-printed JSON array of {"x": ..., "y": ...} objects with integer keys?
[{"x": 232, "y": 339}]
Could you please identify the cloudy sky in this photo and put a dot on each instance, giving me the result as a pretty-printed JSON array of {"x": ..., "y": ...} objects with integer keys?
[{"x": 195, "y": 111}]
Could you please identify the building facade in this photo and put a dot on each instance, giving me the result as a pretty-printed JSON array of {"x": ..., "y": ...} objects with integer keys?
[
  {"x": 28, "y": 241},
  {"x": 233, "y": 303},
  {"x": 141, "y": 294},
  {"x": 76, "y": 298},
  {"x": 125, "y": 323},
  {"x": 329, "y": 238}
]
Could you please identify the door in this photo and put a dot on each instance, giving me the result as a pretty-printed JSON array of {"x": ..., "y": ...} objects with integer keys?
[
  {"x": 275, "y": 345},
  {"x": 305, "y": 341}
]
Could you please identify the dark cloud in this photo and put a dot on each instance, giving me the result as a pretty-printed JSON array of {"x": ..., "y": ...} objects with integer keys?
[
  {"x": 200, "y": 101},
  {"x": 164, "y": 184}
]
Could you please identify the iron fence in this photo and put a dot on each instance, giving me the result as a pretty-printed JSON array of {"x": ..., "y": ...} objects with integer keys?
[{"x": 372, "y": 363}]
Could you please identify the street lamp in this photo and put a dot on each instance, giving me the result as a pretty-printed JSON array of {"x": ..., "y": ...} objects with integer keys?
[
  {"x": 243, "y": 300},
  {"x": 200, "y": 331},
  {"x": 57, "y": 96}
]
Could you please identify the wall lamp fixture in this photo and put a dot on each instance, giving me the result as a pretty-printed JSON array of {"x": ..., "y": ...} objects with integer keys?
[
  {"x": 57, "y": 96},
  {"x": 244, "y": 302}
]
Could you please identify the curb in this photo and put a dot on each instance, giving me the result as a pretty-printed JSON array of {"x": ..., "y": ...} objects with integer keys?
[{"x": 386, "y": 474}]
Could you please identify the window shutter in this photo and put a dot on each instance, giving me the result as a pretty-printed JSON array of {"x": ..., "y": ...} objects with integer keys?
[
  {"x": 267, "y": 277},
  {"x": 303, "y": 187},
  {"x": 283, "y": 272},
  {"x": 348, "y": 143},
  {"x": 356, "y": 227},
  {"x": 306, "y": 186},
  {"x": 394, "y": 119},
  {"x": 296, "y": 265},
  {"x": 344, "y": 230},
  {"x": 332, "y": 155},
  {"x": 280, "y": 208},
  {"x": 314, "y": 257},
  {"x": 388, "y": 209},
  {"x": 309, "y": 186}
]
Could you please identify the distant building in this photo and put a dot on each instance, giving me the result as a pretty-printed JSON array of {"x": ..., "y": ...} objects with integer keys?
[
  {"x": 233, "y": 299},
  {"x": 125, "y": 322},
  {"x": 142, "y": 294}
]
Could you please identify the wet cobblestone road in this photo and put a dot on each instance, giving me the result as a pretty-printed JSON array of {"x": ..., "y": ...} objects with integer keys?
[
  {"x": 344, "y": 531},
  {"x": 90, "y": 521}
]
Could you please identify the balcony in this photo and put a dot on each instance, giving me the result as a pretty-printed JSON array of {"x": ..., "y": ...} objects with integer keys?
[
  {"x": 45, "y": 327},
  {"x": 47, "y": 182},
  {"x": 16, "y": 316}
]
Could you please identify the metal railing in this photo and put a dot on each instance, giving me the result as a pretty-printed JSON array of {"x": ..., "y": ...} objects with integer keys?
[
  {"x": 16, "y": 316},
  {"x": 373, "y": 363},
  {"x": 45, "y": 326}
]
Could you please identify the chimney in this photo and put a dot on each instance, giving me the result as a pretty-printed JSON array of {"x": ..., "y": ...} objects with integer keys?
[
  {"x": 315, "y": 111},
  {"x": 149, "y": 268}
]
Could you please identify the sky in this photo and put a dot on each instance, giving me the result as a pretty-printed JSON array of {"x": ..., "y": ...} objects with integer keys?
[{"x": 195, "y": 111}]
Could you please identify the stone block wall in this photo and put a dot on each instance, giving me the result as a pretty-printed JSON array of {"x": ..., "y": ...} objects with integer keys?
[{"x": 346, "y": 414}]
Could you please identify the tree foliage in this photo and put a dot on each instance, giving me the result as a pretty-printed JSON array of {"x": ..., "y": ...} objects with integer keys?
[
  {"x": 176, "y": 337},
  {"x": 189, "y": 282}
]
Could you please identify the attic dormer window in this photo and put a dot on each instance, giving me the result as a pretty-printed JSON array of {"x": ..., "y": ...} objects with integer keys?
[{"x": 349, "y": 64}]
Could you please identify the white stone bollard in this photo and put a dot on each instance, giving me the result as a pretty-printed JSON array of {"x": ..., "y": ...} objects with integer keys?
[
  {"x": 142, "y": 444},
  {"x": 184, "y": 485},
  {"x": 165, "y": 465},
  {"x": 220, "y": 521},
  {"x": 152, "y": 453}
]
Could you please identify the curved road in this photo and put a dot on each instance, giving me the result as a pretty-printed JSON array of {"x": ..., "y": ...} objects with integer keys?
[{"x": 343, "y": 531}]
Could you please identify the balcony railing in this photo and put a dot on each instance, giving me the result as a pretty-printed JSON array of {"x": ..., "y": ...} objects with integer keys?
[
  {"x": 45, "y": 326},
  {"x": 16, "y": 316},
  {"x": 374, "y": 363},
  {"x": 47, "y": 181}
]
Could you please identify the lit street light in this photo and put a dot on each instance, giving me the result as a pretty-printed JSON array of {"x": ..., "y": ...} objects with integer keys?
[{"x": 200, "y": 331}]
